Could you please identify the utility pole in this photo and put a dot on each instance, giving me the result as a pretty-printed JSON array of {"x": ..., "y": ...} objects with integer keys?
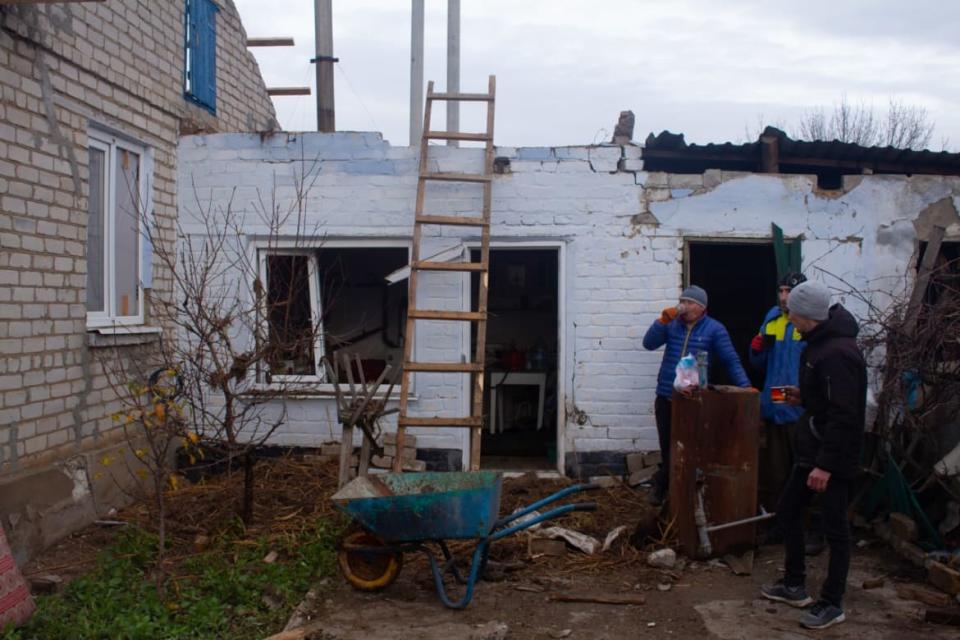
[
  {"x": 453, "y": 67},
  {"x": 323, "y": 17},
  {"x": 416, "y": 72}
]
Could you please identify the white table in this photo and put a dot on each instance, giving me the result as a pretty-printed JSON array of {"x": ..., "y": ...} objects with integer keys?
[{"x": 500, "y": 379}]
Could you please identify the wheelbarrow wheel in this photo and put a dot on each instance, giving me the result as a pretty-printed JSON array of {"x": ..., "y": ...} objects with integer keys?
[{"x": 368, "y": 570}]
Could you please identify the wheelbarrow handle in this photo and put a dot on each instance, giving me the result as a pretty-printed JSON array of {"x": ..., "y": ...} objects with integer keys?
[
  {"x": 549, "y": 515},
  {"x": 563, "y": 493}
]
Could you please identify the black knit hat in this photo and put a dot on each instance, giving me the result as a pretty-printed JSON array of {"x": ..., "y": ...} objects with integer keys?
[{"x": 792, "y": 279}]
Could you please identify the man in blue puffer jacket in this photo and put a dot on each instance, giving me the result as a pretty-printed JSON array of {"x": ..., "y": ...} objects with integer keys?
[
  {"x": 685, "y": 329},
  {"x": 776, "y": 351}
]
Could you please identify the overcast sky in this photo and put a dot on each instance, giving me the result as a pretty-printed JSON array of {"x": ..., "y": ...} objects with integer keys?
[{"x": 708, "y": 69}]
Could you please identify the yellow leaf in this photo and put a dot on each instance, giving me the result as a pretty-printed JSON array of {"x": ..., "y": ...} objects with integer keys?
[
  {"x": 142, "y": 473},
  {"x": 139, "y": 453},
  {"x": 160, "y": 410},
  {"x": 193, "y": 437},
  {"x": 106, "y": 461},
  {"x": 174, "y": 481}
]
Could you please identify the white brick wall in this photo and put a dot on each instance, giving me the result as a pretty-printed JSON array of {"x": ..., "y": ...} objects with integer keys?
[
  {"x": 63, "y": 66},
  {"x": 619, "y": 273}
]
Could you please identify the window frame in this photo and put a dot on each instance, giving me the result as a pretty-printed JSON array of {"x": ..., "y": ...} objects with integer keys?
[
  {"x": 263, "y": 248},
  {"x": 109, "y": 143},
  {"x": 313, "y": 277}
]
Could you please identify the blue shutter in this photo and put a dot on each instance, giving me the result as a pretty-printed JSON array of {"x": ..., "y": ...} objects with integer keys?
[{"x": 202, "y": 45}]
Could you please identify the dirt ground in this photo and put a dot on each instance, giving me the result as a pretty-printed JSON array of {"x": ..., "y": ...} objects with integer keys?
[
  {"x": 704, "y": 601},
  {"x": 693, "y": 600}
]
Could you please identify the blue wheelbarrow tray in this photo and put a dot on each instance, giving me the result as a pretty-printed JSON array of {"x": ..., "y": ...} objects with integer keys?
[
  {"x": 407, "y": 510},
  {"x": 406, "y": 507}
]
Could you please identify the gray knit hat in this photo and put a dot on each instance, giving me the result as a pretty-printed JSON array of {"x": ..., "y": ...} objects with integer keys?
[
  {"x": 695, "y": 294},
  {"x": 810, "y": 300}
]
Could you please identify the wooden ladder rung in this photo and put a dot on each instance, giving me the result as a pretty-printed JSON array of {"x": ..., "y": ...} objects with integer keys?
[
  {"x": 456, "y": 177},
  {"x": 456, "y": 135},
  {"x": 443, "y": 367},
  {"x": 430, "y": 314},
  {"x": 414, "y": 421},
  {"x": 467, "y": 97},
  {"x": 425, "y": 265},
  {"x": 456, "y": 221}
]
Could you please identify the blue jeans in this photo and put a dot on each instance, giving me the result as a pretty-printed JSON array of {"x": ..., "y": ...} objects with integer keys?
[{"x": 833, "y": 512}]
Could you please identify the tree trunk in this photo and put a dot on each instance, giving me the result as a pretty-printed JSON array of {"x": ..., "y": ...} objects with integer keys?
[{"x": 247, "y": 510}]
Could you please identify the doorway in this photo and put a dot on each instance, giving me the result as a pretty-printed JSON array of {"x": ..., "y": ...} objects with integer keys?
[
  {"x": 521, "y": 385},
  {"x": 741, "y": 281}
]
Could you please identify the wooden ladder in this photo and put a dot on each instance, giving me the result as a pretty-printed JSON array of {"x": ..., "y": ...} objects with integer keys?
[{"x": 475, "y": 421}]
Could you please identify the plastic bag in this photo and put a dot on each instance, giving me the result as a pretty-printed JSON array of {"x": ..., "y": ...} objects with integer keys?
[{"x": 687, "y": 374}]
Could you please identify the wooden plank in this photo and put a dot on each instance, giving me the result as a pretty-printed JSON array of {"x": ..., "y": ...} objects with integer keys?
[
  {"x": 599, "y": 599},
  {"x": 412, "y": 284},
  {"x": 449, "y": 266},
  {"x": 288, "y": 91},
  {"x": 455, "y": 177},
  {"x": 346, "y": 452},
  {"x": 465, "y": 97},
  {"x": 482, "y": 295},
  {"x": 442, "y": 367},
  {"x": 930, "y": 255},
  {"x": 456, "y": 221},
  {"x": 414, "y": 421},
  {"x": 270, "y": 42},
  {"x": 457, "y": 135},
  {"x": 430, "y": 314}
]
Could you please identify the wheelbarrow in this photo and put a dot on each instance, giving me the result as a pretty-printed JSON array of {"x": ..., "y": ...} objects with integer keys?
[{"x": 405, "y": 512}]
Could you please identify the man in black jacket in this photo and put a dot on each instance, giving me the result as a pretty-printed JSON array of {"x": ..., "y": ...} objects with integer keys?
[{"x": 833, "y": 393}]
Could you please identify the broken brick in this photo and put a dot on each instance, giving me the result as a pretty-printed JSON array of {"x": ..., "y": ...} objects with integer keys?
[
  {"x": 944, "y": 578},
  {"x": 904, "y": 527}
]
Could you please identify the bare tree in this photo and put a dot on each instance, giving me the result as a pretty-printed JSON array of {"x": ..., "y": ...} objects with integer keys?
[
  {"x": 903, "y": 126},
  {"x": 240, "y": 330}
]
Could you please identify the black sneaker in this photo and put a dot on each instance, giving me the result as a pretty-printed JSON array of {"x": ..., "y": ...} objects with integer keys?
[
  {"x": 822, "y": 615},
  {"x": 793, "y": 596}
]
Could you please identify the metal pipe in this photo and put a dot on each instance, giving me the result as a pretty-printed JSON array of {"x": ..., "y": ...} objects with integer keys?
[
  {"x": 323, "y": 37},
  {"x": 416, "y": 71},
  {"x": 737, "y": 523},
  {"x": 453, "y": 67}
]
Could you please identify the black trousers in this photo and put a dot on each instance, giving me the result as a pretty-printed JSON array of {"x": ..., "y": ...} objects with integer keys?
[
  {"x": 833, "y": 513},
  {"x": 661, "y": 409}
]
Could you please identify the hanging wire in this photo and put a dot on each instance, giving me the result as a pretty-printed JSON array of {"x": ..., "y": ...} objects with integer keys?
[{"x": 343, "y": 72}]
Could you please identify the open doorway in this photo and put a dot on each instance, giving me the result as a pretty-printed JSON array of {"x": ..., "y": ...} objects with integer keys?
[
  {"x": 741, "y": 280},
  {"x": 521, "y": 385}
]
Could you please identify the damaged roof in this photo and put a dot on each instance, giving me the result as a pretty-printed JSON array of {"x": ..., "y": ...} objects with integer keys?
[{"x": 775, "y": 152}]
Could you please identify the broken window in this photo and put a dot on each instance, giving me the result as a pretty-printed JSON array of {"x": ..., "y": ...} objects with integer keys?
[
  {"x": 322, "y": 301},
  {"x": 115, "y": 231}
]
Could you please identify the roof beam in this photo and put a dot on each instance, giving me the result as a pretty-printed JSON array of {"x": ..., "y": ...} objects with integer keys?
[{"x": 269, "y": 42}]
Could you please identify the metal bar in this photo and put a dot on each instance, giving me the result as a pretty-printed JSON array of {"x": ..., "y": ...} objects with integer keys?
[
  {"x": 563, "y": 493},
  {"x": 737, "y": 523}
]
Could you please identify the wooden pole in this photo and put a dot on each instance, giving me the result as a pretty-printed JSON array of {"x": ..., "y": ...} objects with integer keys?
[
  {"x": 453, "y": 67},
  {"x": 416, "y": 71},
  {"x": 323, "y": 18}
]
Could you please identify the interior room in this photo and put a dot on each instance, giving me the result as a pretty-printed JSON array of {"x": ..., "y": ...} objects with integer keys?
[{"x": 520, "y": 404}]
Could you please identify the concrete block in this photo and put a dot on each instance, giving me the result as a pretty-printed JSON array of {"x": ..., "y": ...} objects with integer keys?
[
  {"x": 635, "y": 462},
  {"x": 409, "y": 440},
  {"x": 652, "y": 459},
  {"x": 409, "y": 453}
]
